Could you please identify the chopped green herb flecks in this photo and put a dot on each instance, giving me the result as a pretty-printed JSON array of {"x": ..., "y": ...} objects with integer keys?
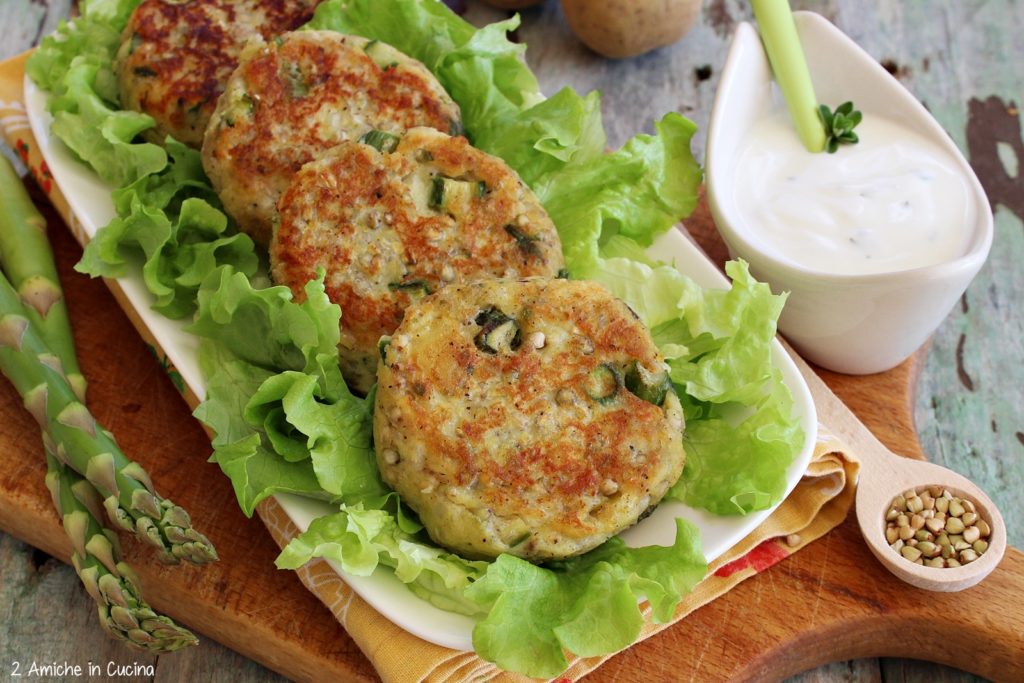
[
  {"x": 447, "y": 193},
  {"x": 527, "y": 243},
  {"x": 520, "y": 540},
  {"x": 298, "y": 87},
  {"x": 410, "y": 286},
  {"x": 437, "y": 191},
  {"x": 382, "y": 54},
  {"x": 247, "y": 103},
  {"x": 196, "y": 108}
]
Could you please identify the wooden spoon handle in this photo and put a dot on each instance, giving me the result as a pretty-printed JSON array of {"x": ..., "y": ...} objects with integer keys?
[
  {"x": 830, "y": 602},
  {"x": 873, "y": 614}
]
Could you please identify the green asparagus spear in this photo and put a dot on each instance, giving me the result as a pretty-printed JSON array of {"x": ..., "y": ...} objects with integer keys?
[
  {"x": 108, "y": 580},
  {"x": 81, "y": 443},
  {"x": 28, "y": 261},
  {"x": 27, "y": 257}
]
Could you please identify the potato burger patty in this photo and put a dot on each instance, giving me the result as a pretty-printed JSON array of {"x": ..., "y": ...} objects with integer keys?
[
  {"x": 175, "y": 57},
  {"x": 294, "y": 97},
  {"x": 533, "y": 417},
  {"x": 390, "y": 227}
]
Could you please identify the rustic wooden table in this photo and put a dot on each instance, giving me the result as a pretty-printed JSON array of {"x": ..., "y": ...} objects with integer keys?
[{"x": 960, "y": 58}]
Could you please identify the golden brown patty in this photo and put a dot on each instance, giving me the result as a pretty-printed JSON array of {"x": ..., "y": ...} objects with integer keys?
[
  {"x": 291, "y": 99},
  {"x": 175, "y": 57},
  {"x": 530, "y": 417},
  {"x": 389, "y": 228}
]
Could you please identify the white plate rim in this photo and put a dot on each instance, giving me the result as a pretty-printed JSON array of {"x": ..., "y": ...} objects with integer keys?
[{"x": 89, "y": 199}]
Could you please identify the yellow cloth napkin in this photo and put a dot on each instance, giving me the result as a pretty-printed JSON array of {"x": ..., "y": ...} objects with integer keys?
[
  {"x": 17, "y": 133},
  {"x": 818, "y": 504}
]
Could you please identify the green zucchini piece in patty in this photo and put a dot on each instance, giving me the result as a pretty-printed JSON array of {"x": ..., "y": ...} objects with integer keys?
[
  {"x": 380, "y": 140},
  {"x": 446, "y": 192},
  {"x": 498, "y": 332},
  {"x": 644, "y": 384},
  {"x": 603, "y": 383}
]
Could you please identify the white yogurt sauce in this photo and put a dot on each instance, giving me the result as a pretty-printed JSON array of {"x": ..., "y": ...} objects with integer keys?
[{"x": 894, "y": 201}]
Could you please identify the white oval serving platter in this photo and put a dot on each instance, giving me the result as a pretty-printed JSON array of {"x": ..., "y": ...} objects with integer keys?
[{"x": 89, "y": 199}]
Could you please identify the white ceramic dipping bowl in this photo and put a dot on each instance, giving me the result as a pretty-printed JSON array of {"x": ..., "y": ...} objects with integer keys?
[{"x": 855, "y": 324}]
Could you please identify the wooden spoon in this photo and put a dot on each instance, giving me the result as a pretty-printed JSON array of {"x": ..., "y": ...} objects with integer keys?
[{"x": 885, "y": 475}]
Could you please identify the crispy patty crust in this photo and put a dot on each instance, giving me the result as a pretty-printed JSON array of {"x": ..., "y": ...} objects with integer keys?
[
  {"x": 175, "y": 57},
  {"x": 293, "y": 98},
  {"x": 390, "y": 227},
  {"x": 530, "y": 417}
]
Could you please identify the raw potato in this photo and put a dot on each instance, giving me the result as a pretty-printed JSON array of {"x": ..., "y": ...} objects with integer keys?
[
  {"x": 625, "y": 28},
  {"x": 512, "y": 4}
]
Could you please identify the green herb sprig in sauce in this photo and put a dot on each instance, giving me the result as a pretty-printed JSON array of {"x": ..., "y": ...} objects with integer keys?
[{"x": 839, "y": 125}]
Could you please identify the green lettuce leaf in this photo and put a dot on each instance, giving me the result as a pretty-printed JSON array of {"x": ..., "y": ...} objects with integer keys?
[
  {"x": 266, "y": 411},
  {"x": 503, "y": 111},
  {"x": 283, "y": 418},
  {"x": 359, "y": 539},
  {"x": 172, "y": 221},
  {"x": 588, "y": 605},
  {"x": 300, "y": 423},
  {"x": 741, "y": 434},
  {"x": 265, "y": 327},
  {"x": 737, "y": 457},
  {"x": 76, "y": 65},
  {"x": 425, "y": 30},
  {"x": 240, "y": 450},
  {"x": 351, "y": 537},
  {"x": 640, "y": 191},
  {"x": 92, "y": 37},
  {"x": 743, "y": 319}
]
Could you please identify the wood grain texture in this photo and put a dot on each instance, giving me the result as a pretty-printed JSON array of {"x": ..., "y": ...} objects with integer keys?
[
  {"x": 154, "y": 426},
  {"x": 831, "y": 600},
  {"x": 960, "y": 58}
]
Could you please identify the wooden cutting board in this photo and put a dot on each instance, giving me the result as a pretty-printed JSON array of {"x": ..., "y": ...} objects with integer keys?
[{"x": 831, "y": 601}]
